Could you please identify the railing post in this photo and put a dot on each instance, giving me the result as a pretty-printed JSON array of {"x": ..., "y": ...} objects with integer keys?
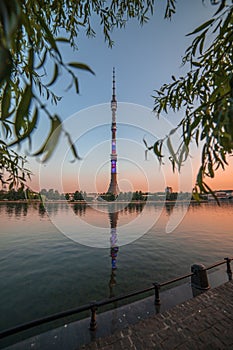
[
  {"x": 229, "y": 272},
  {"x": 93, "y": 323},
  {"x": 157, "y": 288},
  {"x": 199, "y": 279}
]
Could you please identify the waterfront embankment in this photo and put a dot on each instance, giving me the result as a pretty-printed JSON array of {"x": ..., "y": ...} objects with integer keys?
[{"x": 204, "y": 322}]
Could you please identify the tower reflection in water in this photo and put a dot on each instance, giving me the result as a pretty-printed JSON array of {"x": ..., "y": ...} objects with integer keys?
[{"x": 113, "y": 217}]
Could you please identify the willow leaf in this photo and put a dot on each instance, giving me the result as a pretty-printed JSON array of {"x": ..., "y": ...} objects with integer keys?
[
  {"x": 49, "y": 35},
  {"x": 49, "y": 145},
  {"x": 6, "y": 64},
  {"x": 55, "y": 75},
  {"x": 82, "y": 66},
  {"x": 30, "y": 127},
  {"x": 201, "y": 27},
  {"x": 200, "y": 180},
  {"x": 173, "y": 163},
  {"x": 212, "y": 193},
  {"x": 171, "y": 150},
  {"x": 23, "y": 109},
  {"x": 172, "y": 131},
  {"x": 221, "y": 7},
  {"x": 63, "y": 40},
  {"x": 145, "y": 143},
  {"x": 76, "y": 85},
  {"x": 156, "y": 149},
  {"x": 5, "y": 103},
  {"x": 73, "y": 148},
  {"x": 196, "y": 196},
  {"x": 183, "y": 156},
  {"x": 42, "y": 61}
]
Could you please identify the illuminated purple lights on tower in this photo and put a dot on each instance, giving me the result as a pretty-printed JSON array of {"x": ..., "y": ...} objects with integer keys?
[{"x": 113, "y": 187}]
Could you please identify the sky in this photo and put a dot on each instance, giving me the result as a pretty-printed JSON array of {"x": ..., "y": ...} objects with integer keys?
[{"x": 144, "y": 59}]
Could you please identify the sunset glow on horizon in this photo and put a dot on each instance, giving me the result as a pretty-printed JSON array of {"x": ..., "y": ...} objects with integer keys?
[{"x": 127, "y": 182}]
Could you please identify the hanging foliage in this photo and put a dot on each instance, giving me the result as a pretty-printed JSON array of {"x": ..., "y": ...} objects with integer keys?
[{"x": 204, "y": 96}]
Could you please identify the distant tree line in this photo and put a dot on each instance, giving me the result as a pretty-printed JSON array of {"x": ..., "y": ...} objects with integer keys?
[
  {"x": 20, "y": 194},
  {"x": 124, "y": 196},
  {"x": 144, "y": 196},
  {"x": 77, "y": 196},
  {"x": 51, "y": 194}
]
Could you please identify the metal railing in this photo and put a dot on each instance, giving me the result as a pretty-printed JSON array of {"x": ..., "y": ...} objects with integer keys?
[{"x": 93, "y": 307}]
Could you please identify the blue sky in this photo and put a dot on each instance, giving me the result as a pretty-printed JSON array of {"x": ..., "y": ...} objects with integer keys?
[{"x": 144, "y": 58}]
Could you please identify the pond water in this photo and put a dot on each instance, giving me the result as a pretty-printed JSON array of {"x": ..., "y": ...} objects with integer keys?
[{"x": 65, "y": 256}]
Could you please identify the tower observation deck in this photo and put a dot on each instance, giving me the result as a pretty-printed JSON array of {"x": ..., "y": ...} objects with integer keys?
[{"x": 113, "y": 187}]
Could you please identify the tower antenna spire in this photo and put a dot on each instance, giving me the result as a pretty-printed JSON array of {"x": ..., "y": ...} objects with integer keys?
[{"x": 113, "y": 85}]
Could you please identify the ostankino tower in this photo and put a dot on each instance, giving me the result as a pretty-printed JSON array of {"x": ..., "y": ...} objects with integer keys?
[{"x": 113, "y": 187}]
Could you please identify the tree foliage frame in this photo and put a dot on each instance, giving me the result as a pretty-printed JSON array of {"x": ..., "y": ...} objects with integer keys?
[{"x": 30, "y": 35}]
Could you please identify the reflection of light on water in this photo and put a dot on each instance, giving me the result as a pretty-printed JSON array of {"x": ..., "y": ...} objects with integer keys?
[
  {"x": 113, "y": 251},
  {"x": 114, "y": 247},
  {"x": 76, "y": 227}
]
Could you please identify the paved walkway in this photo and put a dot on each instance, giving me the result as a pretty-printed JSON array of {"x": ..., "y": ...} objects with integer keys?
[{"x": 204, "y": 322}]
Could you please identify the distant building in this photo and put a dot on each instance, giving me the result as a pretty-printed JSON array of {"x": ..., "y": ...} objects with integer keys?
[
  {"x": 169, "y": 194},
  {"x": 220, "y": 195},
  {"x": 168, "y": 190}
]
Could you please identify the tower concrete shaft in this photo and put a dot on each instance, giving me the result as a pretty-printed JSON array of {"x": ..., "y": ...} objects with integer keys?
[{"x": 113, "y": 187}]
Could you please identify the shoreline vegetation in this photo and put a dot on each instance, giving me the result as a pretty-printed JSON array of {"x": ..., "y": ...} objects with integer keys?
[
  {"x": 129, "y": 198},
  {"x": 83, "y": 202}
]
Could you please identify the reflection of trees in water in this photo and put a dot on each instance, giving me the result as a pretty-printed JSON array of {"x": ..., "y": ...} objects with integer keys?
[
  {"x": 25, "y": 209},
  {"x": 10, "y": 209},
  {"x": 134, "y": 207},
  {"x": 169, "y": 207},
  {"x": 80, "y": 208},
  {"x": 16, "y": 209},
  {"x": 21, "y": 209},
  {"x": 52, "y": 208},
  {"x": 41, "y": 210}
]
